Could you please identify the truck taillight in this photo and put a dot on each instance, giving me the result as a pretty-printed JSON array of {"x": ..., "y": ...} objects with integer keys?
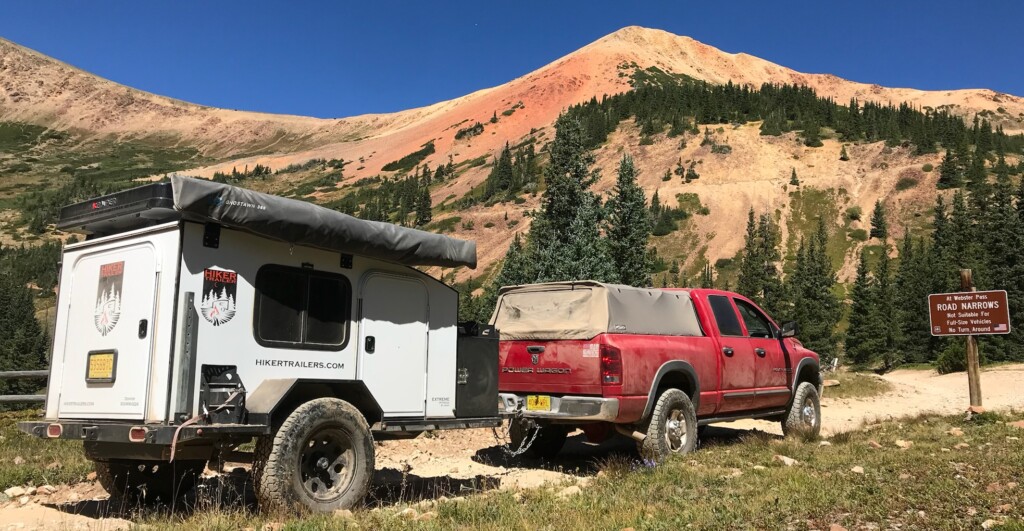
[{"x": 611, "y": 365}]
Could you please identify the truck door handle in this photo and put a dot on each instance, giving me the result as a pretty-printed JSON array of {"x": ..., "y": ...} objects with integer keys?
[
  {"x": 760, "y": 352},
  {"x": 535, "y": 349},
  {"x": 370, "y": 344},
  {"x": 143, "y": 328},
  {"x": 727, "y": 351}
]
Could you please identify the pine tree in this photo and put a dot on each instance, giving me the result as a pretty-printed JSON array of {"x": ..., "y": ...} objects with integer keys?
[
  {"x": 813, "y": 304},
  {"x": 886, "y": 313},
  {"x": 23, "y": 342},
  {"x": 913, "y": 284},
  {"x": 842, "y": 155},
  {"x": 879, "y": 226},
  {"x": 424, "y": 208},
  {"x": 949, "y": 172},
  {"x": 1002, "y": 237},
  {"x": 792, "y": 178},
  {"x": 629, "y": 227},
  {"x": 862, "y": 334},
  {"x": 707, "y": 277},
  {"x": 812, "y": 133}
]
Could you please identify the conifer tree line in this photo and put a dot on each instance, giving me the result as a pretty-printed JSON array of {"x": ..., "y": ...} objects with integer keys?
[
  {"x": 575, "y": 235},
  {"x": 679, "y": 107},
  {"x": 511, "y": 174},
  {"x": 404, "y": 200},
  {"x": 982, "y": 231},
  {"x": 23, "y": 342}
]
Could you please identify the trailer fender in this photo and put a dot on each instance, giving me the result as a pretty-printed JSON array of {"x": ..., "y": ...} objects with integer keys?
[{"x": 274, "y": 399}]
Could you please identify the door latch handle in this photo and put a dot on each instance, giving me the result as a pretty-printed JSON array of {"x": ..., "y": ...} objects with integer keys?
[
  {"x": 535, "y": 349},
  {"x": 727, "y": 351},
  {"x": 370, "y": 344},
  {"x": 760, "y": 352},
  {"x": 143, "y": 328}
]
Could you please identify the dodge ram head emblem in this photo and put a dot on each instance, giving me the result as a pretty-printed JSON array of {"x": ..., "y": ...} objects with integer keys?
[{"x": 535, "y": 358}]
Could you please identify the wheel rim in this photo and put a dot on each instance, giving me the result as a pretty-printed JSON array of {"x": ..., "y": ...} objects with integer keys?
[
  {"x": 324, "y": 468},
  {"x": 675, "y": 430},
  {"x": 808, "y": 413}
]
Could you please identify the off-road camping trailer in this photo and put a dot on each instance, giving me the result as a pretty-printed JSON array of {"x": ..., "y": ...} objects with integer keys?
[{"x": 198, "y": 316}]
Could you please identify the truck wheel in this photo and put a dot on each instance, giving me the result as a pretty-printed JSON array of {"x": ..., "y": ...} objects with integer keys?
[
  {"x": 548, "y": 443},
  {"x": 148, "y": 480},
  {"x": 672, "y": 428},
  {"x": 805, "y": 413},
  {"x": 320, "y": 459}
]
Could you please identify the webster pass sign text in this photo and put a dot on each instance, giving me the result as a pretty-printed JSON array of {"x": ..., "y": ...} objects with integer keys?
[{"x": 969, "y": 313}]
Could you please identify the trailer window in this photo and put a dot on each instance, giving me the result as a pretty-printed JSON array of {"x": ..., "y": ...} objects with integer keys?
[{"x": 300, "y": 308}]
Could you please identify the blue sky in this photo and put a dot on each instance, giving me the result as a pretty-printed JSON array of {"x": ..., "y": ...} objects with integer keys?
[{"x": 334, "y": 59}]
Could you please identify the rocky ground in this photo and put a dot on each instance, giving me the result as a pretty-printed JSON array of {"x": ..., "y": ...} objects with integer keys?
[{"x": 459, "y": 463}]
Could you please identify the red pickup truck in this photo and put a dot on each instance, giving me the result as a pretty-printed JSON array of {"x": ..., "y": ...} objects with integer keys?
[{"x": 653, "y": 364}]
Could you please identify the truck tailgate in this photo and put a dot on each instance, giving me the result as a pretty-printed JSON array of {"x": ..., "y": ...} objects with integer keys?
[{"x": 550, "y": 367}]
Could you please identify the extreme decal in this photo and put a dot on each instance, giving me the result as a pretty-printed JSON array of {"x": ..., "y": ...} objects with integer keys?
[
  {"x": 108, "y": 297},
  {"x": 218, "y": 302}
]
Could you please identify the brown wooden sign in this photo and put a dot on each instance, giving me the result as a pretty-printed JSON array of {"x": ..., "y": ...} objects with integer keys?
[{"x": 969, "y": 313}]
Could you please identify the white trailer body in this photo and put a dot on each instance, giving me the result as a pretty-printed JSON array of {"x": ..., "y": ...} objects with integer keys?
[{"x": 200, "y": 331}]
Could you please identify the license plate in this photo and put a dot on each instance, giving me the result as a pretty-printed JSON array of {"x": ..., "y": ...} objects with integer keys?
[
  {"x": 101, "y": 366},
  {"x": 538, "y": 403}
]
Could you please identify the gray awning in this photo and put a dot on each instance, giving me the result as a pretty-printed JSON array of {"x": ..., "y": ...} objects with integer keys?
[{"x": 303, "y": 223}]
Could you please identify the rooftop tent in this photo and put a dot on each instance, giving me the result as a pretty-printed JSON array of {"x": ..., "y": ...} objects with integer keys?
[
  {"x": 278, "y": 218},
  {"x": 584, "y": 309}
]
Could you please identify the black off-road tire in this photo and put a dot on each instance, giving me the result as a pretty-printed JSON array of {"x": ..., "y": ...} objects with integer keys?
[
  {"x": 672, "y": 429},
  {"x": 804, "y": 413},
  {"x": 320, "y": 459},
  {"x": 128, "y": 479},
  {"x": 548, "y": 443}
]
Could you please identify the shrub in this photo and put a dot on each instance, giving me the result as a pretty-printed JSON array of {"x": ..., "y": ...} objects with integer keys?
[
  {"x": 927, "y": 168},
  {"x": 859, "y": 235},
  {"x": 853, "y": 213},
  {"x": 953, "y": 358},
  {"x": 646, "y": 141},
  {"x": 905, "y": 183},
  {"x": 411, "y": 160},
  {"x": 488, "y": 225}
]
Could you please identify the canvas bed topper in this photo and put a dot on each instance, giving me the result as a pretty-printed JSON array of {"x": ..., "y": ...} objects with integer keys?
[
  {"x": 278, "y": 218},
  {"x": 584, "y": 309}
]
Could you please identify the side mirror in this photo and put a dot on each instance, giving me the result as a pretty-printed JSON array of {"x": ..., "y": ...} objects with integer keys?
[{"x": 789, "y": 329}]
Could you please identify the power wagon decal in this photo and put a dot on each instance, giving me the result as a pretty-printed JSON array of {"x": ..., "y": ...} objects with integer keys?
[
  {"x": 218, "y": 302},
  {"x": 108, "y": 297}
]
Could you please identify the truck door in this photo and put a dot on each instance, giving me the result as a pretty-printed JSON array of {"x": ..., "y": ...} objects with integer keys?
[
  {"x": 393, "y": 343},
  {"x": 737, "y": 357},
  {"x": 770, "y": 376},
  {"x": 108, "y": 346}
]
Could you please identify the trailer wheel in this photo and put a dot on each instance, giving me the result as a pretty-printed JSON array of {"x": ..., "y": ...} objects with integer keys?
[
  {"x": 320, "y": 459},
  {"x": 805, "y": 412},
  {"x": 127, "y": 479},
  {"x": 549, "y": 441},
  {"x": 672, "y": 428}
]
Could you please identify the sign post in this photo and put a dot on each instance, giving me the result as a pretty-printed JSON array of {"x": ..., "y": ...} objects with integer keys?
[{"x": 969, "y": 313}]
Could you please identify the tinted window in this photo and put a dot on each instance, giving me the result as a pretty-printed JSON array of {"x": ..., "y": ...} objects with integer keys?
[
  {"x": 299, "y": 308},
  {"x": 325, "y": 322},
  {"x": 757, "y": 324},
  {"x": 725, "y": 316},
  {"x": 282, "y": 294}
]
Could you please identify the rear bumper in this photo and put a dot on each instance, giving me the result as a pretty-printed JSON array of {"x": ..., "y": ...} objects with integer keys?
[
  {"x": 156, "y": 434},
  {"x": 574, "y": 408}
]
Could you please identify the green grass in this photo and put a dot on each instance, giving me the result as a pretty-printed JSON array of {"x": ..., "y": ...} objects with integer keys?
[
  {"x": 930, "y": 485},
  {"x": 42, "y": 462},
  {"x": 922, "y": 487},
  {"x": 856, "y": 385}
]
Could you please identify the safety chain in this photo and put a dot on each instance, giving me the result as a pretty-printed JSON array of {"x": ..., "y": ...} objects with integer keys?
[{"x": 526, "y": 442}]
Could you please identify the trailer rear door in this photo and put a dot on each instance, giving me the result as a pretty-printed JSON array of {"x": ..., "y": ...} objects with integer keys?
[{"x": 108, "y": 342}]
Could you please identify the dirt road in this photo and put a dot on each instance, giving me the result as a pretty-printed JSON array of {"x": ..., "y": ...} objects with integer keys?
[{"x": 457, "y": 463}]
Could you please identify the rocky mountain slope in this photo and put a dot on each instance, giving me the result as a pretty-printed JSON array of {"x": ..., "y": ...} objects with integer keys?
[{"x": 38, "y": 90}]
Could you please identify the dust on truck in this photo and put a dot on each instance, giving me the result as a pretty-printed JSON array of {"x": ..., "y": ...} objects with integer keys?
[{"x": 199, "y": 316}]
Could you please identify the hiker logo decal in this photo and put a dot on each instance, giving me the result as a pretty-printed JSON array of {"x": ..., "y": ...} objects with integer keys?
[
  {"x": 218, "y": 302},
  {"x": 108, "y": 297}
]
